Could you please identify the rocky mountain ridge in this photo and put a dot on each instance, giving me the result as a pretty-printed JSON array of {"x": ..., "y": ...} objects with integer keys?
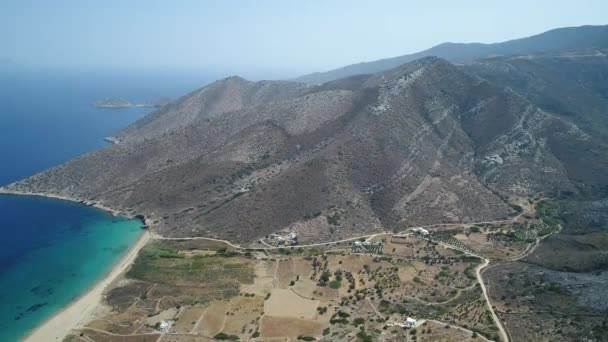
[
  {"x": 567, "y": 39},
  {"x": 422, "y": 143}
]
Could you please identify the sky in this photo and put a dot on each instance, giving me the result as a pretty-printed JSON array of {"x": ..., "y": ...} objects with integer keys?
[{"x": 291, "y": 36}]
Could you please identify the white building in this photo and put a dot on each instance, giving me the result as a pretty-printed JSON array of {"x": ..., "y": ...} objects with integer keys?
[
  {"x": 409, "y": 322},
  {"x": 420, "y": 231},
  {"x": 164, "y": 326}
]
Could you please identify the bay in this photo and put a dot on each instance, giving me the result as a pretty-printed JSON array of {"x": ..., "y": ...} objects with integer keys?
[{"x": 52, "y": 251}]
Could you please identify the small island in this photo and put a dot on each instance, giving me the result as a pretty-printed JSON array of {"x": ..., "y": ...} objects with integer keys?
[
  {"x": 124, "y": 103},
  {"x": 113, "y": 103}
]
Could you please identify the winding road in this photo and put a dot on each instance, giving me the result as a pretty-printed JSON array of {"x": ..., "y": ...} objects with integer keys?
[{"x": 478, "y": 270}]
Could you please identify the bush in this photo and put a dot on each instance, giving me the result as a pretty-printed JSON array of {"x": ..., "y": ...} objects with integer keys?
[
  {"x": 358, "y": 321},
  {"x": 222, "y": 336},
  {"x": 343, "y": 314},
  {"x": 325, "y": 276},
  {"x": 364, "y": 337},
  {"x": 336, "y": 284}
]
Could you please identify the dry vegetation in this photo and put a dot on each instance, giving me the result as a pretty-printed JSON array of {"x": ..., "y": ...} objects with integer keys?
[{"x": 209, "y": 291}]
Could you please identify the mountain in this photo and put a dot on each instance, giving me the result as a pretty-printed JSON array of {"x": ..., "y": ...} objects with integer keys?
[
  {"x": 562, "y": 39},
  {"x": 573, "y": 86},
  {"x": 424, "y": 143}
]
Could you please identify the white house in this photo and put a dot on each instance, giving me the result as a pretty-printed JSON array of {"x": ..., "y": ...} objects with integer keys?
[
  {"x": 165, "y": 325},
  {"x": 409, "y": 322},
  {"x": 420, "y": 231}
]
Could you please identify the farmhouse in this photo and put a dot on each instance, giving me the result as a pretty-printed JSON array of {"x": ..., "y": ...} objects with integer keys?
[
  {"x": 165, "y": 325},
  {"x": 420, "y": 231},
  {"x": 409, "y": 322}
]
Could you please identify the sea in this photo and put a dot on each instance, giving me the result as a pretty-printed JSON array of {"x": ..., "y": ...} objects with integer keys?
[{"x": 52, "y": 251}]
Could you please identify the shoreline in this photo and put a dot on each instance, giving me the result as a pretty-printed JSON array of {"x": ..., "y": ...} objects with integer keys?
[
  {"x": 82, "y": 309},
  {"x": 112, "y": 211},
  {"x": 112, "y": 140}
]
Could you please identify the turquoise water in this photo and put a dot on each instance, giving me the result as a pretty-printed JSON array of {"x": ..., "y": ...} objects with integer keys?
[
  {"x": 76, "y": 247},
  {"x": 52, "y": 251}
]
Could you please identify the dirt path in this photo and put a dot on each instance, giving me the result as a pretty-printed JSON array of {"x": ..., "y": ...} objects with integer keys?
[
  {"x": 374, "y": 307},
  {"x": 369, "y": 237},
  {"x": 533, "y": 246},
  {"x": 478, "y": 271},
  {"x": 198, "y": 321},
  {"x": 460, "y": 328},
  {"x": 114, "y": 334},
  {"x": 484, "y": 290},
  {"x": 158, "y": 237}
]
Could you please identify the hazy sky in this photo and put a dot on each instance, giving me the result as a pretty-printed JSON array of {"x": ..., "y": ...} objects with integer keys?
[{"x": 286, "y": 35}]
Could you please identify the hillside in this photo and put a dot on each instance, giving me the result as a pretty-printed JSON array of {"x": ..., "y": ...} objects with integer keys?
[
  {"x": 562, "y": 39},
  {"x": 422, "y": 143}
]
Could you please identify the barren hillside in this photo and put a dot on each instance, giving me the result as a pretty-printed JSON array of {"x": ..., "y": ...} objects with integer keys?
[{"x": 419, "y": 144}]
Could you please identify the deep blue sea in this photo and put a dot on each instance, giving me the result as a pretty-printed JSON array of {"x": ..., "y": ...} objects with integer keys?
[{"x": 52, "y": 251}]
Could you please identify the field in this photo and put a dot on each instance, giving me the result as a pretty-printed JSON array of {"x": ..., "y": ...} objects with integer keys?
[{"x": 207, "y": 291}]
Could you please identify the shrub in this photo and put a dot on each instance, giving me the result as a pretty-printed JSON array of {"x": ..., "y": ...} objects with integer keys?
[
  {"x": 358, "y": 321},
  {"x": 222, "y": 336},
  {"x": 336, "y": 284}
]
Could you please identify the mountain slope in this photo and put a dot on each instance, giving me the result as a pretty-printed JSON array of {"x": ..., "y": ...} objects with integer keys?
[
  {"x": 572, "y": 86},
  {"x": 423, "y": 143},
  {"x": 562, "y": 39}
]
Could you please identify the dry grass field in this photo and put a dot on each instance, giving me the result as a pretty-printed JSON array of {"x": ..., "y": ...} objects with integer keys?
[
  {"x": 286, "y": 303},
  {"x": 213, "y": 319},
  {"x": 219, "y": 293}
]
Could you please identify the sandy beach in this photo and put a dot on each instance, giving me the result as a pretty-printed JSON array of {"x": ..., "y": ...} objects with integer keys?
[{"x": 82, "y": 309}]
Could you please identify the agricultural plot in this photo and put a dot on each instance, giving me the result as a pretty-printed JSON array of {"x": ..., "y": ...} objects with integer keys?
[
  {"x": 187, "y": 320},
  {"x": 243, "y": 315},
  {"x": 290, "y": 328},
  {"x": 213, "y": 319},
  {"x": 219, "y": 294},
  {"x": 286, "y": 303},
  {"x": 430, "y": 331},
  {"x": 497, "y": 246}
]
